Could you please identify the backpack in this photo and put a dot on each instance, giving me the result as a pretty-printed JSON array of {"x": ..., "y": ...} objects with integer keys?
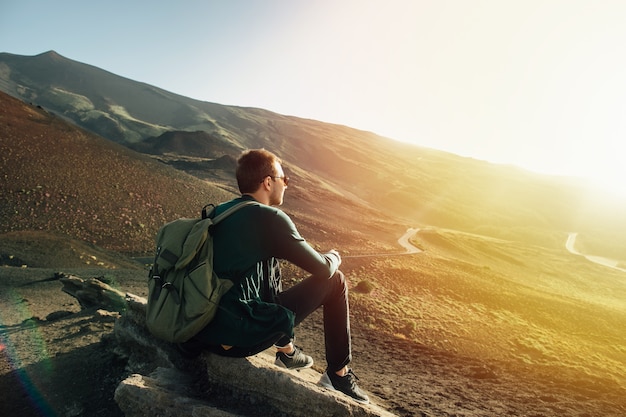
[{"x": 183, "y": 290}]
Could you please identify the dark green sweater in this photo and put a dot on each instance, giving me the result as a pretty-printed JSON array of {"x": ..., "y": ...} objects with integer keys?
[{"x": 246, "y": 249}]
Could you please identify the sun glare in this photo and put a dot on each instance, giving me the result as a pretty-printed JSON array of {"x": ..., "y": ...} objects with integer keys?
[
  {"x": 614, "y": 188},
  {"x": 606, "y": 175},
  {"x": 595, "y": 165}
]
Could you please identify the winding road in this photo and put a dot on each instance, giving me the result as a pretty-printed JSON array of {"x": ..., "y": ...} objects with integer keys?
[
  {"x": 403, "y": 241},
  {"x": 570, "y": 246}
]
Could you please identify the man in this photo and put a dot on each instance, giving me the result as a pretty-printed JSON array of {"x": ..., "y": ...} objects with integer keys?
[{"x": 256, "y": 313}]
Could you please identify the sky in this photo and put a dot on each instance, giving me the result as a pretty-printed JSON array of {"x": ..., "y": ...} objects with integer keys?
[{"x": 537, "y": 84}]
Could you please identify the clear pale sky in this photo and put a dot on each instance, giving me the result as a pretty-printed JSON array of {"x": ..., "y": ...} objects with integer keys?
[{"x": 538, "y": 84}]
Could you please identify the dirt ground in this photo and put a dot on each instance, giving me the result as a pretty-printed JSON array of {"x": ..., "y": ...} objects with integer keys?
[{"x": 57, "y": 360}]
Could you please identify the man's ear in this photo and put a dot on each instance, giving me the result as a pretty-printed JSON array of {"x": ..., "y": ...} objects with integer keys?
[{"x": 266, "y": 183}]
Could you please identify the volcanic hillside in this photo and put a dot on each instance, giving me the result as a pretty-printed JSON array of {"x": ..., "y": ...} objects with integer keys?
[
  {"x": 494, "y": 317},
  {"x": 61, "y": 179},
  {"x": 335, "y": 169}
]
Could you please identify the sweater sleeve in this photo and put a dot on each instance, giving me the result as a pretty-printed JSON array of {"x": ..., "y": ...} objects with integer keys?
[{"x": 289, "y": 245}]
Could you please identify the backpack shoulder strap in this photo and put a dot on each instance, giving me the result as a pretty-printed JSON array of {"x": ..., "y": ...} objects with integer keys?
[{"x": 231, "y": 210}]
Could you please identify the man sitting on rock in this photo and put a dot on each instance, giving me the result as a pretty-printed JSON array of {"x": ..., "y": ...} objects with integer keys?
[{"x": 256, "y": 313}]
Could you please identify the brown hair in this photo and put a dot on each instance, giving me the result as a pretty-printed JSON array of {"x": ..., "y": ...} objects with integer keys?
[{"x": 252, "y": 167}]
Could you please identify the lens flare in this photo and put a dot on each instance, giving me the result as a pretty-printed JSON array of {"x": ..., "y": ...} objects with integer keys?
[{"x": 14, "y": 334}]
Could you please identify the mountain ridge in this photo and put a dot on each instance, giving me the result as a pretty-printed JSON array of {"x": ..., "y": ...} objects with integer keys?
[
  {"x": 59, "y": 178},
  {"x": 417, "y": 185}
]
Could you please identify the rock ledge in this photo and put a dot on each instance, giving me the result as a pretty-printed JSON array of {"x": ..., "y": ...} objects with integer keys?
[{"x": 163, "y": 383}]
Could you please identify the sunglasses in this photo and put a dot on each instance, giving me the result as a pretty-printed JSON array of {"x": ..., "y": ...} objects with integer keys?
[{"x": 284, "y": 178}]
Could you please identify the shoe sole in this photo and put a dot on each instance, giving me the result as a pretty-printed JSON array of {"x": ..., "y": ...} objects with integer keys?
[{"x": 326, "y": 383}]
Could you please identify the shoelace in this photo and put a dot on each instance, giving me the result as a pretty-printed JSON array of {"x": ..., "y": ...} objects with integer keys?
[{"x": 352, "y": 376}]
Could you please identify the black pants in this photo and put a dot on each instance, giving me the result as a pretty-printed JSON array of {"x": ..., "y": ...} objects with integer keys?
[{"x": 303, "y": 299}]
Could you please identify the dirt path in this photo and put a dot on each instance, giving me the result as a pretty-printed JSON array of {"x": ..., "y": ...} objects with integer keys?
[
  {"x": 403, "y": 241},
  {"x": 570, "y": 246}
]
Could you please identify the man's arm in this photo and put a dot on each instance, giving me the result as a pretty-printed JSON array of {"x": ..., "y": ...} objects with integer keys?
[{"x": 289, "y": 245}]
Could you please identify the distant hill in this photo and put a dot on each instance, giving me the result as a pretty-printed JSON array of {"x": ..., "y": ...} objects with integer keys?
[
  {"x": 330, "y": 164},
  {"x": 198, "y": 144},
  {"x": 59, "y": 179},
  {"x": 115, "y": 107}
]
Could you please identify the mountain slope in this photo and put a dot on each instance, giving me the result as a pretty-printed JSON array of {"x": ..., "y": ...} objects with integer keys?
[
  {"x": 55, "y": 177},
  {"x": 473, "y": 325},
  {"x": 412, "y": 184},
  {"x": 114, "y": 107}
]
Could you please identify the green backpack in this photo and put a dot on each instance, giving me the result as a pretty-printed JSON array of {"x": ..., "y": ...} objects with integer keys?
[{"x": 183, "y": 290}]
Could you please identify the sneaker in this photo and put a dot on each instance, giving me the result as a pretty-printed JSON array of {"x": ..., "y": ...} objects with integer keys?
[
  {"x": 297, "y": 360},
  {"x": 345, "y": 384}
]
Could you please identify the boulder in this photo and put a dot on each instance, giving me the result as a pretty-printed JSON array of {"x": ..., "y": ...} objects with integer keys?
[
  {"x": 162, "y": 382},
  {"x": 92, "y": 292},
  {"x": 165, "y": 392}
]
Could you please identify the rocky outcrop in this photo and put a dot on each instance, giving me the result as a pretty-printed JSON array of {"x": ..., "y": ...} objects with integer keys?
[
  {"x": 93, "y": 292},
  {"x": 164, "y": 383},
  {"x": 165, "y": 392}
]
